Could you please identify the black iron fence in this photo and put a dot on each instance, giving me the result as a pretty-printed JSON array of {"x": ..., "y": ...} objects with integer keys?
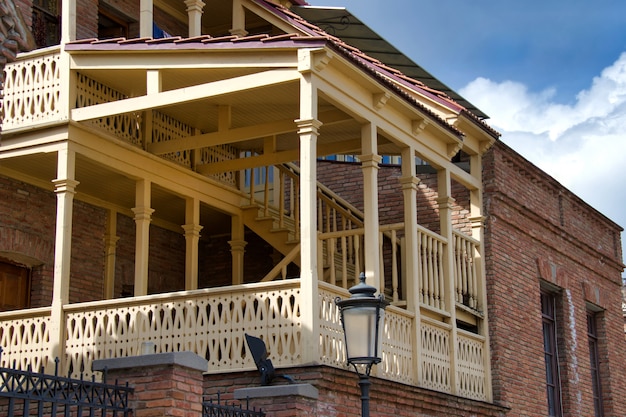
[
  {"x": 26, "y": 392},
  {"x": 212, "y": 409}
]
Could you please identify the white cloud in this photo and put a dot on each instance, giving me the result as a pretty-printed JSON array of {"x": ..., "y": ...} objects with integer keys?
[{"x": 582, "y": 145}]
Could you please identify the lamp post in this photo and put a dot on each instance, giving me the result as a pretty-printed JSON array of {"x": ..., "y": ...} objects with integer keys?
[{"x": 362, "y": 316}]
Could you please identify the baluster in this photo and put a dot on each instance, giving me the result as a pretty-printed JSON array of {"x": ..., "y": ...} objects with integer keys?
[
  {"x": 251, "y": 190},
  {"x": 296, "y": 211},
  {"x": 431, "y": 272},
  {"x": 424, "y": 260},
  {"x": 266, "y": 197},
  {"x": 474, "y": 286},
  {"x": 356, "y": 238},
  {"x": 441, "y": 286},
  {"x": 281, "y": 200},
  {"x": 394, "y": 265}
]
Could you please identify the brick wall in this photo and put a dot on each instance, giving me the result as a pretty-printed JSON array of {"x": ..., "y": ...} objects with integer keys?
[
  {"x": 346, "y": 180},
  {"x": 537, "y": 231},
  {"x": 340, "y": 396}
]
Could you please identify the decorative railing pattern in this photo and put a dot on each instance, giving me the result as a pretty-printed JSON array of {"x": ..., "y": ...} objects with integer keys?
[
  {"x": 431, "y": 249},
  {"x": 25, "y": 338},
  {"x": 465, "y": 274},
  {"x": 470, "y": 365},
  {"x": 332, "y": 345},
  {"x": 210, "y": 322},
  {"x": 126, "y": 127},
  {"x": 397, "y": 347},
  {"x": 435, "y": 355},
  {"x": 166, "y": 128},
  {"x": 220, "y": 153},
  {"x": 32, "y": 91}
]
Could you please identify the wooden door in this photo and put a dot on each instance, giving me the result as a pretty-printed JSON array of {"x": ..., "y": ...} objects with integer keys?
[{"x": 14, "y": 287}]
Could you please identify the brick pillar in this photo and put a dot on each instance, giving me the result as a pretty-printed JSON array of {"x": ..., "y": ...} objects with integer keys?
[
  {"x": 165, "y": 384},
  {"x": 294, "y": 400}
]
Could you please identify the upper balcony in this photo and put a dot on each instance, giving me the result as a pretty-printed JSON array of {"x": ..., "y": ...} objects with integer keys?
[{"x": 219, "y": 138}]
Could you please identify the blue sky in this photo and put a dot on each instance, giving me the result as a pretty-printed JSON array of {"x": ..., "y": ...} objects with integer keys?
[{"x": 550, "y": 74}]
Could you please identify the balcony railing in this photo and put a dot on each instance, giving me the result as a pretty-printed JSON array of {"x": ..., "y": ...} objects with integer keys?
[{"x": 212, "y": 324}]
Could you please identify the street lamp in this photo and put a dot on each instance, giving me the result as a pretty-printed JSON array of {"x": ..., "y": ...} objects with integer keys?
[{"x": 362, "y": 316}]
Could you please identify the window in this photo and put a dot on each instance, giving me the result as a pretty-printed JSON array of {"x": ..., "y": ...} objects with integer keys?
[
  {"x": 46, "y": 22},
  {"x": 550, "y": 347},
  {"x": 14, "y": 287},
  {"x": 594, "y": 360}
]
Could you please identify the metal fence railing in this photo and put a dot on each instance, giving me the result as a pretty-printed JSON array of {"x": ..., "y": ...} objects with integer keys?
[
  {"x": 28, "y": 392},
  {"x": 217, "y": 409}
]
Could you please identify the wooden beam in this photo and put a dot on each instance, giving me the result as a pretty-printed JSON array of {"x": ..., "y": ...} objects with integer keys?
[
  {"x": 275, "y": 158},
  {"x": 186, "y": 95},
  {"x": 224, "y": 136}
]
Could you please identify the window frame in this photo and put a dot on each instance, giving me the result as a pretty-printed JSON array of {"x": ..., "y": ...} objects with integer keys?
[
  {"x": 593, "y": 339},
  {"x": 551, "y": 349}
]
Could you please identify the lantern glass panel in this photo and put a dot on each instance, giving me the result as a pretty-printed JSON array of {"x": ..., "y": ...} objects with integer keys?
[{"x": 360, "y": 328}]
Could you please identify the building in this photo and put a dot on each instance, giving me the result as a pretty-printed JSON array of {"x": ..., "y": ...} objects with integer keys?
[{"x": 162, "y": 186}]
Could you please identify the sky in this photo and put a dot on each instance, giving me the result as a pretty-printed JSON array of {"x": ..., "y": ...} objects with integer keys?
[{"x": 551, "y": 75}]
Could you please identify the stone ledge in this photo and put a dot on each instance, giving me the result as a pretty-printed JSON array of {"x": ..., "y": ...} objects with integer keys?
[
  {"x": 301, "y": 390},
  {"x": 184, "y": 359}
]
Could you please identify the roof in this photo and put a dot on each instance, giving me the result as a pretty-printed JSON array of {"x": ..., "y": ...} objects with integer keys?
[{"x": 340, "y": 22}]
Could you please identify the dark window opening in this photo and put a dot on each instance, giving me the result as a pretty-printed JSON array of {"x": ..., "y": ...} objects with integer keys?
[
  {"x": 46, "y": 23},
  {"x": 550, "y": 348},
  {"x": 594, "y": 360},
  {"x": 111, "y": 26}
]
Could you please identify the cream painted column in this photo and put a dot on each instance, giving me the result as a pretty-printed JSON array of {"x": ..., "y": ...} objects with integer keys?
[
  {"x": 308, "y": 131},
  {"x": 477, "y": 221},
  {"x": 239, "y": 19},
  {"x": 192, "y": 230},
  {"x": 369, "y": 165},
  {"x": 409, "y": 183},
  {"x": 68, "y": 21},
  {"x": 110, "y": 247},
  {"x": 65, "y": 188},
  {"x": 237, "y": 248},
  {"x": 143, "y": 217},
  {"x": 444, "y": 203},
  {"x": 146, "y": 18},
  {"x": 194, "y": 9}
]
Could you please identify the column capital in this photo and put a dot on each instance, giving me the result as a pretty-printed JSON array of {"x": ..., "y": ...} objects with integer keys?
[
  {"x": 408, "y": 183},
  {"x": 194, "y": 5},
  {"x": 370, "y": 160},
  {"x": 445, "y": 202},
  {"x": 308, "y": 125},
  {"x": 237, "y": 245},
  {"x": 65, "y": 185},
  {"x": 142, "y": 213},
  {"x": 192, "y": 229},
  {"x": 477, "y": 221}
]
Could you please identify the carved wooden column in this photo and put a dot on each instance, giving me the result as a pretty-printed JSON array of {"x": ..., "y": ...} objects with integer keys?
[
  {"x": 192, "y": 230},
  {"x": 194, "y": 10},
  {"x": 239, "y": 19},
  {"x": 65, "y": 188},
  {"x": 146, "y": 18},
  {"x": 369, "y": 164},
  {"x": 110, "y": 247},
  {"x": 237, "y": 249},
  {"x": 143, "y": 217},
  {"x": 410, "y": 275}
]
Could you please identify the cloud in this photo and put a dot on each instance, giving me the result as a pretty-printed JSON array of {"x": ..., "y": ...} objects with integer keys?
[{"x": 581, "y": 144}]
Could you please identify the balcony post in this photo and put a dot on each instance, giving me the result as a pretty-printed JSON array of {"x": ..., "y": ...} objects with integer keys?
[
  {"x": 369, "y": 164},
  {"x": 445, "y": 202},
  {"x": 145, "y": 18},
  {"x": 65, "y": 188},
  {"x": 192, "y": 230},
  {"x": 195, "y": 9},
  {"x": 239, "y": 20},
  {"x": 478, "y": 224},
  {"x": 237, "y": 248},
  {"x": 68, "y": 21},
  {"x": 110, "y": 245},
  {"x": 409, "y": 183},
  {"x": 308, "y": 131},
  {"x": 143, "y": 217}
]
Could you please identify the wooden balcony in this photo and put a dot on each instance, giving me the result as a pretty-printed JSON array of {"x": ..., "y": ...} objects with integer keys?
[{"x": 433, "y": 279}]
